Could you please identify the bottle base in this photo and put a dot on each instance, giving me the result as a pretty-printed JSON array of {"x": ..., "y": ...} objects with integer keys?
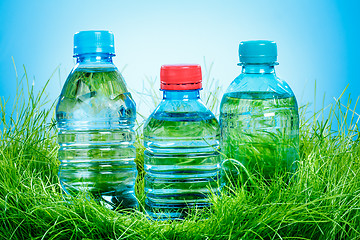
[
  {"x": 164, "y": 212},
  {"x": 117, "y": 201},
  {"x": 111, "y": 200}
]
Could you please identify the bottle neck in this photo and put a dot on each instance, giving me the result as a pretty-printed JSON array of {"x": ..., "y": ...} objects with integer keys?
[
  {"x": 94, "y": 58},
  {"x": 181, "y": 94},
  {"x": 258, "y": 69}
]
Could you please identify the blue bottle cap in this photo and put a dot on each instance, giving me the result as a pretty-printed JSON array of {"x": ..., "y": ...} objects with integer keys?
[
  {"x": 258, "y": 51},
  {"x": 94, "y": 42}
]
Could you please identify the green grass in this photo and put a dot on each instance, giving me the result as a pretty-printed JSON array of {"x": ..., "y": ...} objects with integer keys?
[{"x": 323, "y": 202}]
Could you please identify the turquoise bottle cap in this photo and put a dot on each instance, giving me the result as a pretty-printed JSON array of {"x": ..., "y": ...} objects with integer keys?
[
  {"x": 94, "y": 42},
  {"x": 258, "y": 51}
]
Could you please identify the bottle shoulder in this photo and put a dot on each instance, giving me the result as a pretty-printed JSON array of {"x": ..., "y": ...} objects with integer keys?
[
  {"x": 107, "y": 80},
  {"x": 191, "y": 125},
  {"x": 187, "y": 108},
  {"x": 93, "y": 92},
  {"x": 260, "y": 83},
  {"x": 192, "y": 111},
  {"x": 95, "y": 67}
]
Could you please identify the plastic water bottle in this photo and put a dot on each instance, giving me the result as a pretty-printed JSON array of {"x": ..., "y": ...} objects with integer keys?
[
  {"x": 259, "y": 118},
  {"x": 95, "y": 116},
  {"x": 182, "y": 141}
]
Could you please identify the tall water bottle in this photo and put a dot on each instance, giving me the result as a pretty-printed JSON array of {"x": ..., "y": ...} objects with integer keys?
[
  {"x": 95, "y": 118},
  {"x": 182, "y": 141},
  {"x": 259, "y": 119}
]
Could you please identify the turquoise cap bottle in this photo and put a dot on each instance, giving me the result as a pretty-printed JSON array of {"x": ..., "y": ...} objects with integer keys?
[{"x": 259, "y": 119}]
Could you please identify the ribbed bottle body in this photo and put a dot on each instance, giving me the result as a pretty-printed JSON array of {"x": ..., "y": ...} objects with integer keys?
[
  {"x": 95, "y": 116},
  {"x": 182, "y": 159}
]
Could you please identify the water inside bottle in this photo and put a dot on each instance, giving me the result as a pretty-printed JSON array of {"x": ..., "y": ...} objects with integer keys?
[
  {"x": 95, "y": 117},
  {"x": 181, "y": 161},
  {"x": 259, "y": 134}
]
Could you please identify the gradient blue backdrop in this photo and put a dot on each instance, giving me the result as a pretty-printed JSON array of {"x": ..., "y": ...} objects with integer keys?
[{"x": 317, "y": 40}]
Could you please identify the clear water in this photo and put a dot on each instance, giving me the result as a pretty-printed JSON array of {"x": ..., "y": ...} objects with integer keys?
[
  {"x": 181, "y": 162},
  {"x": 259, "y": 132},
  {"x": 95, "y": 116}
]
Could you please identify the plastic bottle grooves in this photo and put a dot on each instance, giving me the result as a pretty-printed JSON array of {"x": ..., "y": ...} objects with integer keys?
[
  {"x": 99, "y": 161},
  {"x": 179, "y": 181}
]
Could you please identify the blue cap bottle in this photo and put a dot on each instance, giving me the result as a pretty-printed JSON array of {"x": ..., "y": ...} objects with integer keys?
[{"x": 95, "y": 116}]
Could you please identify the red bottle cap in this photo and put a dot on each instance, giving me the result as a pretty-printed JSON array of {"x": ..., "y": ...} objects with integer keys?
[{"x": 180, "y": 77}]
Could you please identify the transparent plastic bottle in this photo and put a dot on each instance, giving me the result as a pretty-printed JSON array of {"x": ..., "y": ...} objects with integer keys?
[
  {"x": 181, "y": 137},
  {"x": 259, "y": 118},
  {"x": 95, "y": 117}
]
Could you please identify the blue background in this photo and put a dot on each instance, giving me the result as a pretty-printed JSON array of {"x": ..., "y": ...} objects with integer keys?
[{"x": 317, "y": 40}]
